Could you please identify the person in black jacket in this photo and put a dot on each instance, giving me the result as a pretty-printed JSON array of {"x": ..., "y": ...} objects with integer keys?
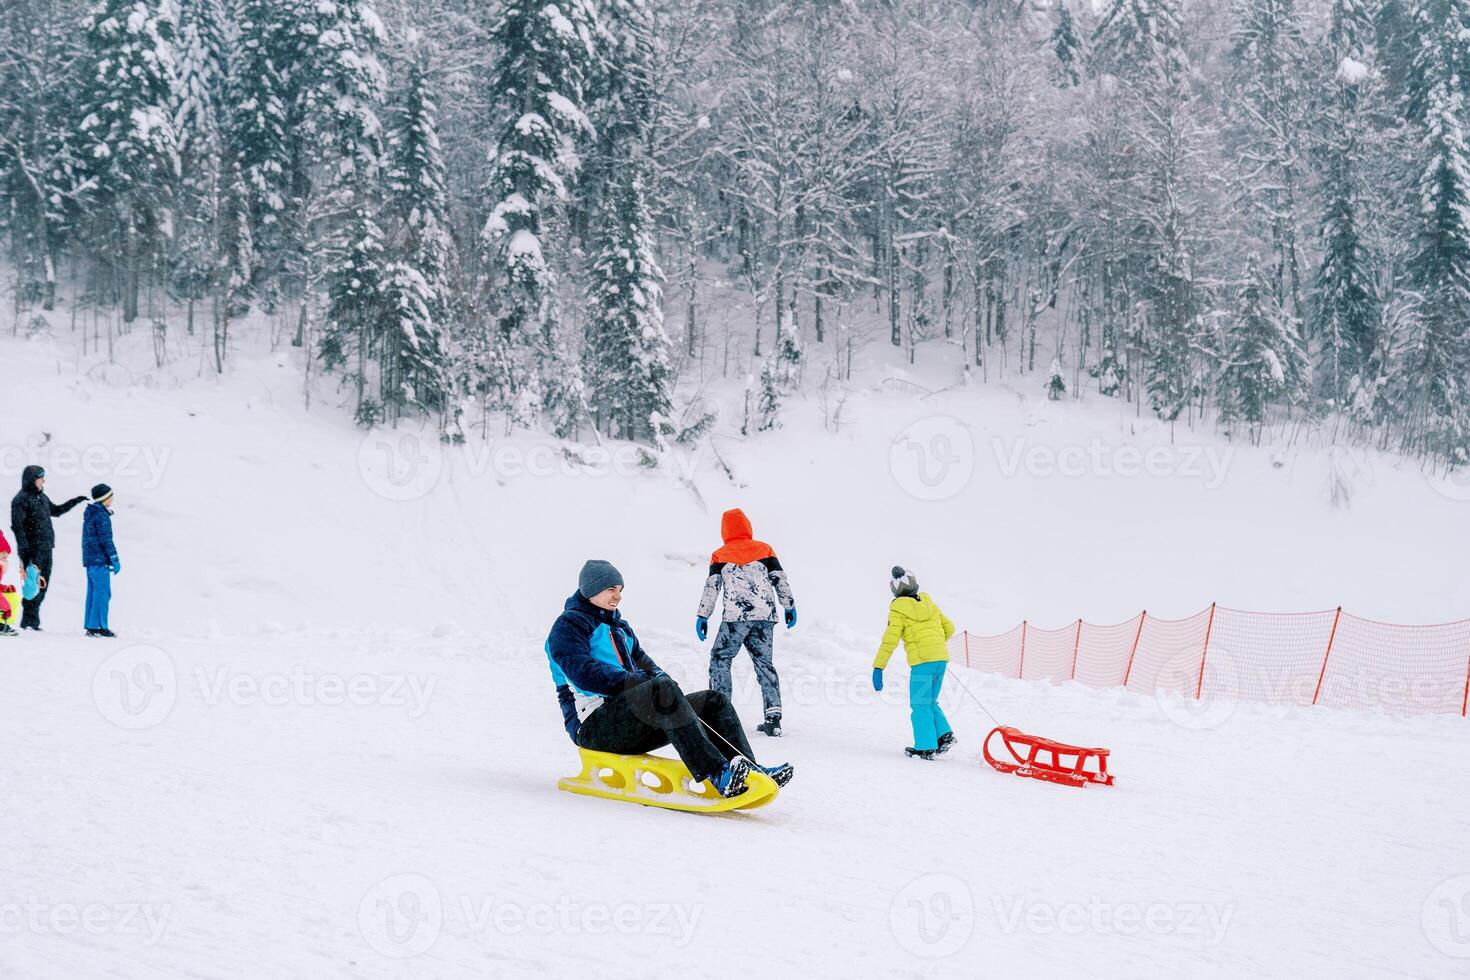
[{"x": 35, "y": 539}]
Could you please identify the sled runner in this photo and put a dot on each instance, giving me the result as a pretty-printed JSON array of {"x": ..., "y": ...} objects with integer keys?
[
  {"x": 654, "y": 780},
  {"x": 1041, "y": 758}
]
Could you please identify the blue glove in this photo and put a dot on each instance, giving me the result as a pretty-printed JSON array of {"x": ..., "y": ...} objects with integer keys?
[
  {"x": 116, "y": 565},
  {"x": 791, "y": 617},
  {"x": 877, "y": 678},
  {"x": 701, "y": 627}
]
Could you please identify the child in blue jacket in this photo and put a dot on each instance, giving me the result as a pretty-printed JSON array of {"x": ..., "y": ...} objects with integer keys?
[{"x": 99, "y": 557}]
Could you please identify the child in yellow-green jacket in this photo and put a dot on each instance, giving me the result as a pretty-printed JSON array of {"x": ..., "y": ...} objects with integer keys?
[{"x": 925, "y": 631}]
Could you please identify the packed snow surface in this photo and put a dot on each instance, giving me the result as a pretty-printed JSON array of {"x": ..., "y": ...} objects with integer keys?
[{"x": 326, "y": 742}]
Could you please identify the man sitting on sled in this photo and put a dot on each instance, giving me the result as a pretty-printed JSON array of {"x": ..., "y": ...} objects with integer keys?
[{"x": 614, "y": 698}]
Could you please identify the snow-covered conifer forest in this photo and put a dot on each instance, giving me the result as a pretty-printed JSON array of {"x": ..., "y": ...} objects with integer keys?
[{"x": 515, "y": 215}]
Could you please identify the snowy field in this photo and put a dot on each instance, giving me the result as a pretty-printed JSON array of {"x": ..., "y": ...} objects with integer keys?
[{"x": 326, "y": 743}]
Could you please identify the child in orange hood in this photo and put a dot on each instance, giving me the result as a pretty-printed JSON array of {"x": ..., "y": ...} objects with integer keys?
[{"x": 751, "y": 577}]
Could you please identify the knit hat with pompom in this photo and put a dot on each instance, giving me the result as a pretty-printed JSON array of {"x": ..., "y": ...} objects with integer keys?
[{"x": 904, "y": 583}]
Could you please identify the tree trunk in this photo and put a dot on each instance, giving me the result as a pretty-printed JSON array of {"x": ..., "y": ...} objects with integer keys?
[
  {"x": 690, "y": 323},
  {"x": 948, "y": 291},
  {"x": 780, "y": 310},
  {"x": 131, "y": 273}
]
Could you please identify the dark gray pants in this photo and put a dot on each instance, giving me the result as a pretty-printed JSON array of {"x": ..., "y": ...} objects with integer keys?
[{"x": 759, "y": 637}]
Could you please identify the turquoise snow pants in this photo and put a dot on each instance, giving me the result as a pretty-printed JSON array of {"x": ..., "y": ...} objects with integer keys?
[{"x": 925, "y": 680}]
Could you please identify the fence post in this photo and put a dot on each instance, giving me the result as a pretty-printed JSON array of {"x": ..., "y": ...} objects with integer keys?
[
  {"x": 1465, "y": 701},
  {"x": 1129, "y": 671},
  {"x": 966, "y": 635},
  {"x": 1076, "y": 643},
  {"x": 1323, "y": 672},
  {"x": 1199, "y": 686},
  {"x": 1021, "y": 670}
]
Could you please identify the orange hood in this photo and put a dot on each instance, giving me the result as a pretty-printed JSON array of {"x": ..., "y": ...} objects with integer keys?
[{"x": 740, "y": 547}]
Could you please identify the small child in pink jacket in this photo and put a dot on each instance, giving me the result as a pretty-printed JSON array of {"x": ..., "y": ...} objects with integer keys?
[{"x": 9, "y": 607}]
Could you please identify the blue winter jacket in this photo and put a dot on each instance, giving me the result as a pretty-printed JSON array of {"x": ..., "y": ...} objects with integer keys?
[
  {"x": 593, "y": 654},
  {"x": 98, "y": 550}
]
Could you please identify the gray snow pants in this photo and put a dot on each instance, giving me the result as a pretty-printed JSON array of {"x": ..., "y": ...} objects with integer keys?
[{"x": 759, "y": 638}]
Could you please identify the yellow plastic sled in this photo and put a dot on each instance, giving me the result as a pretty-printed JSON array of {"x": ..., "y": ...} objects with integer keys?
[{"x": 653, "y": 780}]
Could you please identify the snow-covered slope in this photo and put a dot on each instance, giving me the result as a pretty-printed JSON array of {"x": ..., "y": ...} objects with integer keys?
[{"x": 326, "y": 743}]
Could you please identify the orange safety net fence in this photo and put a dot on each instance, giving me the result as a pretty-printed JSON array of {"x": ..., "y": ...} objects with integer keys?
[{"x": 1328, "y": 657}]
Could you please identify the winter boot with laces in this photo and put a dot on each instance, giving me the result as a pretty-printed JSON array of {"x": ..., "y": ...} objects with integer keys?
[{"x": 730, "y": 780}]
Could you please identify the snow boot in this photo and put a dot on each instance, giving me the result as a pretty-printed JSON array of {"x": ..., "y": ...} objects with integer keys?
[
  {"x": 945, "y": 741},
  {"x": 107, "y": 633},
  {"x": 7, "y": 630},
  {"x": 730, "y": 781},
  {"x": 913, "y": 753},
  {"x": 94, "y": 632},
  {"x": 771, "y": 726},
  {"x": 781, "y": 774}
]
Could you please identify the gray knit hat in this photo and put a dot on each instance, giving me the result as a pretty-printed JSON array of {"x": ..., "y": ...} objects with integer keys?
[
  {"x": 903, "y": 582},
  {"x": 596, "y": 576}
]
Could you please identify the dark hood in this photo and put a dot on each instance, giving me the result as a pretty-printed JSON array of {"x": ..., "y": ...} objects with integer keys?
[{"x": 29, "y": 475}]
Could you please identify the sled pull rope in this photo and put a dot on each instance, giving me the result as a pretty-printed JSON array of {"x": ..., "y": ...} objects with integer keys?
[
  {"x": 977, "y": 701},
  {"x": 723, "y": 738}
]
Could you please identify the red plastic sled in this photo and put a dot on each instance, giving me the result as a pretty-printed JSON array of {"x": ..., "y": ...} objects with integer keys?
[{"x": 1041, "y": 758}]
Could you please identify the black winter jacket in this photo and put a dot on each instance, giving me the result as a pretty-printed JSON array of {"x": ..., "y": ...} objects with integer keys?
[{"x": 30, "y": 517}]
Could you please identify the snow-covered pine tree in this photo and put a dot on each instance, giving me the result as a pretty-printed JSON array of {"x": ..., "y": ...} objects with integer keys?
[
  {"x": 906, "y": 146},
  {"x": 1264, "y": 360},
  {"x": 618, "y": 90},
  {"x": 1135, "y": 165},
  {"x": 1066, "y": 44},
  {"x": 417, "y": 290},
  {"x": 626, "y": 360},
  {"x": 1139, "y": 38},
  {"x": 764, "y": 139},
  {"x": 831, "y": 263},
  {"x": 788, "y": 357},
  {"x": 197, "y": 106},
  {"x": 128, "y": 146},
  {"x": 1438, "y": 37},
  {"x": 1267, "y": 109},
  {"x": 262, "y": 100},
  {"x": 237, "y": 259},
  {"x": 1430, "y": 384},
  {"x": 356, "y": 314},
  {"x": 1394, "y": 41},
  {"x": 341, "y": 87},
  {"x": 1347, "y": 312},
  {"x": 768, "y": 401},
  {"x": 39, "y": 57},
  {"x": 1140, "y": 43},
  {"x": 544, "y": 53},
  {"x": 1056, "y": 381}
]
